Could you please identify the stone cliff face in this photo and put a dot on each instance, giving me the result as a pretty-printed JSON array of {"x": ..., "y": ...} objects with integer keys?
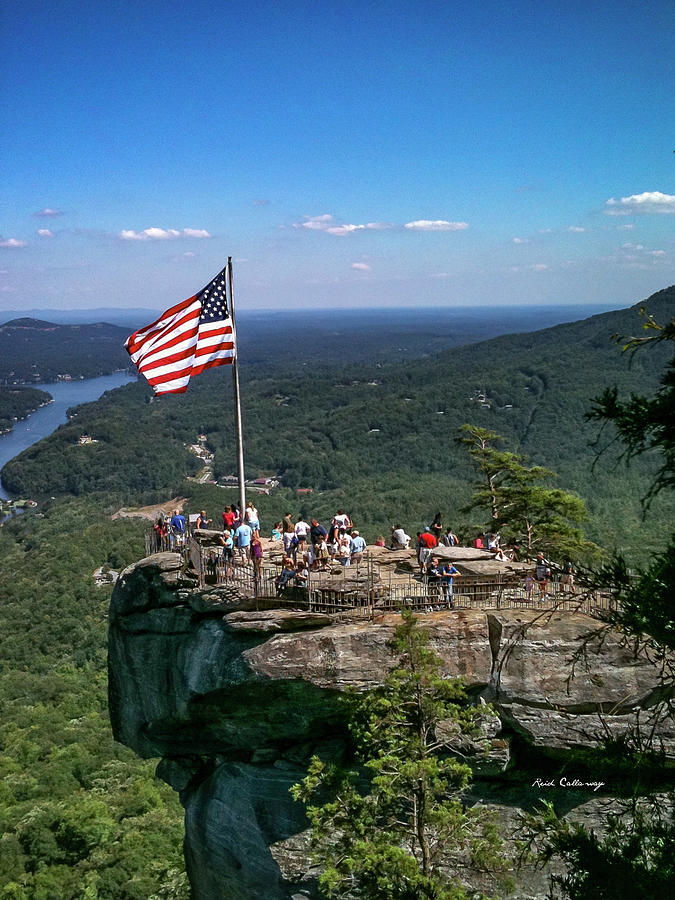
[{"x": 235, "y": 702}]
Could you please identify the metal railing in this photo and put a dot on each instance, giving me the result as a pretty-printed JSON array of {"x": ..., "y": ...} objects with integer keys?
[{"x": 364, "y": 591}]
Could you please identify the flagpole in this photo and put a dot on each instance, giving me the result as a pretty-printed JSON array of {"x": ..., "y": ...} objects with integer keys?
[{"x": 237, "y": 398}]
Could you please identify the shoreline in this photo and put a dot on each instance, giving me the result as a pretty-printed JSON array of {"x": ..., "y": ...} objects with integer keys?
[{"x": 28, "y": 414}]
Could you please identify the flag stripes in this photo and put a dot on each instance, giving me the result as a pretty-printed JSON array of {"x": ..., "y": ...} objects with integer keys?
[{"x": 185, "y": 340}]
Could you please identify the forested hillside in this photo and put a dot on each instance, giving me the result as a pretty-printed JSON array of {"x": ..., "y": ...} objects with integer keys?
[
  {"x": 17, "y": 403},
  {"x": 383, "y": 436},
  {"x": 35, "y": 352},
  {"x": 80, "y": 816}
]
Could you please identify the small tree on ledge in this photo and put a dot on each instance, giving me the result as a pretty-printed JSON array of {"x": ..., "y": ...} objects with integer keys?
[
  {"x": 391, "y": 829},
  {"x": 528, "y": 512}
]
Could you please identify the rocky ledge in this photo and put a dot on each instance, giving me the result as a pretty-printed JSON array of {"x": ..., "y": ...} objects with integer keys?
[{"x": 236, "y": 700}]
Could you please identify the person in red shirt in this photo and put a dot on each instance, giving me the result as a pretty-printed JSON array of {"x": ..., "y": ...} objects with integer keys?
[
  {"x": 228, "y": 518},
  {"x": 425, "y": 545}
]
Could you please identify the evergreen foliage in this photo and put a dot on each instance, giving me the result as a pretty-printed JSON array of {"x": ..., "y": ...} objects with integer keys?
[
  {"x": 645, "y": 424},
  {"x": 17, "y": 403},
  {"x": 81, "y": 818},
  {"x": 634, "y": 858},
  {"x": 525, "y": 512},
  {"x": 386, "y": 428},
  {"x": 645, "y": 599},
  {"x": 395, "y": 836},
  {"x": 33, "y": 351}
]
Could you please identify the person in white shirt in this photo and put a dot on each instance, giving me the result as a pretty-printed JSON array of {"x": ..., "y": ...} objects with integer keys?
[
  {"x": 341, "y": 522},
  {"x": 251, "y": 517},
  {"x": 399, "y": 539},
  {"x": 344, "y": 548}
]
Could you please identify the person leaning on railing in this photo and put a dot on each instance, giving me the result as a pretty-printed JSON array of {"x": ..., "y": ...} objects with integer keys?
[
  {"x": 227, "y": 543},
  {"x": 285, "y": 576},
  {"x": 399, "y": 539},
  {"x": 542, "y": 573},
  {"x": 257, "y": 553}
]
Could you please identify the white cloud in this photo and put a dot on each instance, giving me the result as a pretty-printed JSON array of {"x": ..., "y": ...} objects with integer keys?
[
  {"x": 48, "y": 213},
  {"x": 658, "y": 252},
  {"x": 435, "y": 225},
  {"x": 630, "y": 246},
  {"x": 325, "y": 223},
  {"x": 161, "y": 234},
  {"x": 45, "y": 232},
  {"x": 349, "y": 229},
  {"x": 626, "y": 226},
  {"x": 150, "y": 234},
  {"x": 315, "y": 223},
  {"x": 361, "y": 267},
  {"x": 518, "y": 240},
  {"x": 12, "y": 243},
  {"x": 439, "y": 275},
  {"x": 575, "y": 229},
  {"x": 343, "y": 229},
  {"x": 648, "y": 202}
]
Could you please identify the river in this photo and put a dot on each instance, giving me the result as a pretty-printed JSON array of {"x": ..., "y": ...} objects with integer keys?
[{"x": 48, "y": 418}]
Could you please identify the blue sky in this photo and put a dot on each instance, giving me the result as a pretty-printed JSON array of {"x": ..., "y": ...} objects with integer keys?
[{"x": 344, "y": 154}]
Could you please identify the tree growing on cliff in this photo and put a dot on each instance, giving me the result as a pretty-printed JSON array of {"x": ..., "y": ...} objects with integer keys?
[
  {"x": 521, "y": 506},
  {"x": 645, "y": 599},
  {"x": 633, "y": 859},
  {"x": 394, "y": 826}
]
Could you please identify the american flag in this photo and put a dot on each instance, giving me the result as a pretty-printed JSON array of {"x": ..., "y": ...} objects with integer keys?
[{"x": 192, "y": 336}]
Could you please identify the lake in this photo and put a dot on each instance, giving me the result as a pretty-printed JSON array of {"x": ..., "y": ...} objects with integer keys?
[{"x": 47, "y": 419}]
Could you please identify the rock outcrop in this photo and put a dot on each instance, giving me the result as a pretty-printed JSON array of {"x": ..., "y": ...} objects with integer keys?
[{"x": 236, "y": 700}]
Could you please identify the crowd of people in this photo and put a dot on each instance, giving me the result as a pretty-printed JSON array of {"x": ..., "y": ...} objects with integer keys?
[{"x": 310, "y": 546}]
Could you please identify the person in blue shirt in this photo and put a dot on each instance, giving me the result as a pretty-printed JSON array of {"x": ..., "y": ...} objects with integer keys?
[
  {"x": 177, "y": 528},
  {"x": 227, "y": 543},
  {"x": 445, "y": 573},
  {"x": 242, "y": 537},
  {"x": 357, "y": 546},
  {"x": 202, "y": 521}
]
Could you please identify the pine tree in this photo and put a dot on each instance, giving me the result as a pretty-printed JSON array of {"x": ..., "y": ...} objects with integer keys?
[
  {"x": 522, "y": 507},
  {"x": 634, "y": 859},
  {"x": 389, "y": 828}
]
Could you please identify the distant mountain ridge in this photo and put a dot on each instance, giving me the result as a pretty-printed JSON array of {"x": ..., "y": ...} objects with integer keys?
[
  {"x": 29, "y": 324},
  {"x": 379, "y": 438},
  {"x": 34, "y": 351}
]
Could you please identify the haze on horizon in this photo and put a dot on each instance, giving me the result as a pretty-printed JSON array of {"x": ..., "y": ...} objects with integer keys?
[{"x": 345, "y": 155}]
